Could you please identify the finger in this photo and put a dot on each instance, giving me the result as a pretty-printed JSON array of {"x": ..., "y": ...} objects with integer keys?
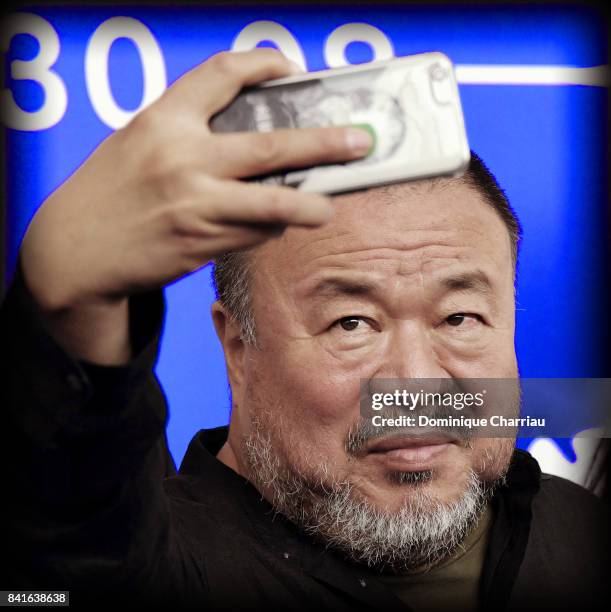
[
  {"x": 237, "y": 237},
  {"x": 213, "y": 84},
  {"x": 236, "y": 202},
  {"x": 202, "y": 248},
  {"x": 244, "y": 154},
  {"x": 205, "y": 241}
]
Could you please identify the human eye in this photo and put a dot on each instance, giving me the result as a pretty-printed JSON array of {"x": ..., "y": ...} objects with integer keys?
[
  {"x": 464, "y": 320},
  {"x": 352, "y": 323}
]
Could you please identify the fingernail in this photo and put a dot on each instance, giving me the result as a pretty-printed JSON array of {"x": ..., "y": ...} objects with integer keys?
[
  {"x": 361, "y": 138},
  {"x": 296, "y": 68}
]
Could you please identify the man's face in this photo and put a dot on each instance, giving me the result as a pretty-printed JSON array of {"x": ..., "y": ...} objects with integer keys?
[{"x": 413, "y": 281}]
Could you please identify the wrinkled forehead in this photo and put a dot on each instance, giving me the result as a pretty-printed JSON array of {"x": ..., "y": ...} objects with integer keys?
[{"x": 411, "y": 225}]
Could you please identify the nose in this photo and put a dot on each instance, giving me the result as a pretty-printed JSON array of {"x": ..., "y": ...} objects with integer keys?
[{"x": 410, "y": 354}]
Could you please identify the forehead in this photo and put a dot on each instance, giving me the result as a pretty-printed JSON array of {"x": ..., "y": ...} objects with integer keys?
[{"x": 417, "y": 227}]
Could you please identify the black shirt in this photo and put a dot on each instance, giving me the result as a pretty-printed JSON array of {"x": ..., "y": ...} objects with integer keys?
[{"x": 93, "y": 503}]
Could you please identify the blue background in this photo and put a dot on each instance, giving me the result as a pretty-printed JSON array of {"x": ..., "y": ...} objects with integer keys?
[{"x": 545, "y": 144}]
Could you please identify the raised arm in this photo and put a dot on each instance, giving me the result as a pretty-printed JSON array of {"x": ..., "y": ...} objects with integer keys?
[{"x": 83, "y": 418}]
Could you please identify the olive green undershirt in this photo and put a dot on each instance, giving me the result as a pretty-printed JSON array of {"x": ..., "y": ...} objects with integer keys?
[{"x": 454, "y": 584}]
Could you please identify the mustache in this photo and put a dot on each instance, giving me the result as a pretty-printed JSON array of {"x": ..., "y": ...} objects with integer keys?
[
  {"x": 504, "y": 393},
  {"x": 364, "y": 432}
]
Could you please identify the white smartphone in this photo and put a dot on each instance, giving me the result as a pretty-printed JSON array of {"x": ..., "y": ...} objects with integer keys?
[{"x": 411, "y": 104}]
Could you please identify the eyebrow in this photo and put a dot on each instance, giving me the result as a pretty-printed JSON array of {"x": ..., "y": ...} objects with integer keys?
[
  {"x": 331, "y": 287},
  {"x": 478, "y": 282}
]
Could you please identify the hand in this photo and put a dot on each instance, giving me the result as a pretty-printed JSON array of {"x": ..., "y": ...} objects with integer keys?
[{"x": 160, "y": 198}]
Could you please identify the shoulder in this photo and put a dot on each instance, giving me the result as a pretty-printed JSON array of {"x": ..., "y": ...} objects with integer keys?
[
  {"x": 561, "y": 500},
  {"x": 552, "y": 498},
  {"x": 566, "y": 559},
  {"x": 570, "y": 525}
]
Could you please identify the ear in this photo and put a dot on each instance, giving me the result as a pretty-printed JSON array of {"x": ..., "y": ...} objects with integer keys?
[{"x": 228, "y": 332}]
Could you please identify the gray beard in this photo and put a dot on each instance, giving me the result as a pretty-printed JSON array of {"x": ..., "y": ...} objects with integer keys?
[{"x": 418, "y": 536}]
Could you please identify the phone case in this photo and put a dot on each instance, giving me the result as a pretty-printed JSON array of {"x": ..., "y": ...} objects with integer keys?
[{"x": 412, "y": 103}]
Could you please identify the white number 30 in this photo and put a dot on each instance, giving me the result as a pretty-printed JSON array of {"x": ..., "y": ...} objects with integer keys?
[{"x": 38, "y": 69}]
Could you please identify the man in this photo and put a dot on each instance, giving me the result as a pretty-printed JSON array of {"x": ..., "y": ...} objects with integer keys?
[{"x": 298, "y": 505}]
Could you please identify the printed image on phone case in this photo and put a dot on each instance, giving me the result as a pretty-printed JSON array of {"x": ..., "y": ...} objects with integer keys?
[{"x": 418, "y": 132}]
